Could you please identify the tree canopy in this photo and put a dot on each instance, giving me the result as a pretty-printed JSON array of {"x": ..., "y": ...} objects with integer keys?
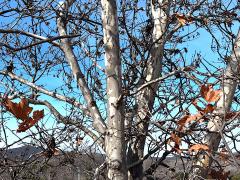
[{"x": 133, "y": 80}]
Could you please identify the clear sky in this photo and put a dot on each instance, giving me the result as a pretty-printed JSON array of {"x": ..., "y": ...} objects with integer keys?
[{"x": 201, "y": 44}]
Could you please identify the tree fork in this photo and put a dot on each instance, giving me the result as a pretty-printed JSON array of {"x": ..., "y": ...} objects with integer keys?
[{"x": 145, "y": 98}]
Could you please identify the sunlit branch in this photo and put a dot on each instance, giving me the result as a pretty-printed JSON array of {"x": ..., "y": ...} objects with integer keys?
[{"x": 44, "y": 91}]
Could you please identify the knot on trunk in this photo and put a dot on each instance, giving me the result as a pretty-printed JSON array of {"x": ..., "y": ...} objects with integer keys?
[{"x": 115, "y": 164}]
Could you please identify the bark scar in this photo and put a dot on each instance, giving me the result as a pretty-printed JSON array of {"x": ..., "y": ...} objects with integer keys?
[{"x": 115, "y": 164}]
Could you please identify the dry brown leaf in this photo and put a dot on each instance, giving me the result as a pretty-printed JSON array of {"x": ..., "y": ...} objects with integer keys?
[
  {"x": 183, "y": 20},
  {"x": 198, "y": 147},
  {"x": 50, "y": 152},
  {"x": 29, "y": 122},
  {"x": 22, "y": 111},
  {"x": 56, "y": 152},
  {"x": 175, "y": 138},
  {"x": 208, "y": 109},
  {"x": 209, "y": 94},
  {"x": 186, "y": 119},
  {"x": 79, "y": 140},
  {"x": 177, "y": 141}
]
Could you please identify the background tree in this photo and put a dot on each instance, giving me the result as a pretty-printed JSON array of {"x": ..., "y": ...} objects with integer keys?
[{"x": 124, "y": 74}]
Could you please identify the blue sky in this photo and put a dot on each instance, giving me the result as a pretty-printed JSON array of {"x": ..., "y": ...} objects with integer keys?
[{"x": 202, "y": 45}]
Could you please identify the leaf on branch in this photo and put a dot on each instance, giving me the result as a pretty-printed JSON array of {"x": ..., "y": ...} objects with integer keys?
[
  {"x": 186, "y": 119},
  {"x": 208, "y": 109},
  {"x": 201, "y": 112},
  {"x": 29, "y": 122},
  {"x": 183, "y": 20},
  {"x": 177, "y": 142},
  {"x": 22, "y": 111},
  {"x": 51, "y": 152},
  {"x": 209, "y": 94},
  {"x": 198, "y": 147},
  {"x": 175, "y": 138},
  {"x": 79, "y": 140}
]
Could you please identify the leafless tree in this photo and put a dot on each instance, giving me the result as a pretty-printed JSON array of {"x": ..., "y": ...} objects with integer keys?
[{"x": 125, "y": 75}]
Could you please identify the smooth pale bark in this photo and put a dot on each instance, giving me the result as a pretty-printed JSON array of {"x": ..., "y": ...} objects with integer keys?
[
  {"x": 114, "y": 139},
  {"x": 213, "y": 138},
  {"x": 98, "y": 122},
  {"x": 145, "y": 98}
]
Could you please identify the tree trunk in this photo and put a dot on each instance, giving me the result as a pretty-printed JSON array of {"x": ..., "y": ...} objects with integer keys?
[
  {"x": 145, "y": 98},
  {"x": 114, "y": 139},
  {"x": 203, "y": 162}
]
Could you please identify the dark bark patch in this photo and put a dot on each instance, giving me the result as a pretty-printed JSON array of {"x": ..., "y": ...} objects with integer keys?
[
  {"x": 115, "y": 164},
  {"x": 92, "y": 103}
]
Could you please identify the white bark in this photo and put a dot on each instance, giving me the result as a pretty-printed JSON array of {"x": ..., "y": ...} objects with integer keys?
[
  {"x": 114, "y": 140},
  {"x": 145, "y": 98},
  {"x": 213, "y": 138},
  {"x": 98, "y": 122}
]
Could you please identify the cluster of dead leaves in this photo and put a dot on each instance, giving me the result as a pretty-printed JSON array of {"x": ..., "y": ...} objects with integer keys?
[
  {"x": 177, "y": 143},
  {"x": 210, "y": 96},
  {"x": 22, "y": 111},
  {"x": 183, "y": 19}
]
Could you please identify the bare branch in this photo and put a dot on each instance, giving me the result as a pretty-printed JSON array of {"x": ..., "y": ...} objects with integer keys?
[
  {"x": 44, "y": 91},
  {"x": 98, "y": 122}
]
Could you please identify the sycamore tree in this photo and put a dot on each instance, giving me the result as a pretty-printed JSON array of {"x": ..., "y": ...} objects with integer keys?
[{"x": 127, "y": 76}]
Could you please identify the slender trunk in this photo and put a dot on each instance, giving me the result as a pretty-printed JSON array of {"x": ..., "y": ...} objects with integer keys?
[
  {"x": 212, "y": 139},
  {"x": 114, "y": 140},
  {"x": 145, "y": 98}
]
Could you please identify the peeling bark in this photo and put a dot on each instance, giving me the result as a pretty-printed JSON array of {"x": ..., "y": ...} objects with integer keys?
[
  {"x": 114, "y": 140},
  {"x": 145, "y": 98},
  {"x": 213, "y": 138}
]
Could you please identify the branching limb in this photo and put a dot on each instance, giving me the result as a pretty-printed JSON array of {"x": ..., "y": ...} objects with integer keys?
[
  {"x": 44, "y": 91},
  {"x": 98, "y": 121},
  {"x": 68, "y": 120},
  {"x": 32, "y": 35}
]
